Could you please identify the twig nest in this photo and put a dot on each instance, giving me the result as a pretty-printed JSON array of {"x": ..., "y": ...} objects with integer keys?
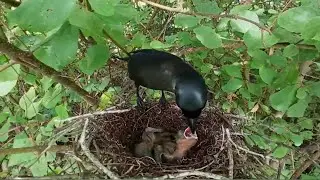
[{"x": 113, "y": 136}]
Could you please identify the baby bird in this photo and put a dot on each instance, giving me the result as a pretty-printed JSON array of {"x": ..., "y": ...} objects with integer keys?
[{"x": 165, "y": 146}]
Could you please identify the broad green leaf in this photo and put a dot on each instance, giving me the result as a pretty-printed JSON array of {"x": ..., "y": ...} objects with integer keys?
[
  {"x": 86, "y": 20},
  {"x": 265, "y": 108},
  {"x": 298, "y": 109},
  {"x": 287, "y": 76},
  {"x": 32, "y": 110},
  {"x": 243, "y": 26},
  {"x": 186, "y": 21},
  {"x": 40, "y": 167},
  {"x": 232, "y": 85},
  {"x": 296, "y": 139},
  {"x": 245, "y": 93},
  {"x": 311, "y": 30},
  {"x": 52, "y": 97},
  {"x": 21, "y": 140},
  {"x": 206, "y": 68},
  {"x": 255, "y": 89},
  {"x": 155, "y": 44},
  {"x": 295, "y": 19},
  {"x": 267, "y": 74},
  {"x": 311, "y": 3},
  {"x": 130, "y": 12},
  {"x": 259, "y": 141},
  {"x": 138, "y": 39},
  {"x": 27, "y": 99},
  {"x": 233, "y": 70},
  {"x": 253, "y": 39},
  {"x": 41, "y": 15},
  {"x": 314, "y": 88},
  {"x": 61, "y": 49},
  {"x": 185, "y": 38},
  {"x": 305, "y": 123},
  {"x": 306, "y": 55},
  {"x": 206, "y": 6},
  {"x": 104, "y": 7},
  {"x": 62, "y": 111},
  {"x": 302, "y": 93},
  {"x": 96, "y": 57},
  {"x": 290, "y": 51},
  {"x": 259, "y": 58},
  {"x": 282, "y": 99},
  {"x": 307, "y": 134},
  {"x": 46, "y": 83},
  {"x": 8, "y": 78},
  {"x": 280, "y": 152},
  {"x": 4, "y": 116},
  {"x": 208, "y": 37},
  {"x": 4, "y": 131},
  {"x": 285, "y": 35},
  {"x": 278, "y": 61}
]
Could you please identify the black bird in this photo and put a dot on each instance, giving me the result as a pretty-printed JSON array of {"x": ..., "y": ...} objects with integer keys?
[{"x": 163, "y": 71}]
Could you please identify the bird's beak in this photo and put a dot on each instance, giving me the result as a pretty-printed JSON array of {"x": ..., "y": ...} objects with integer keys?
[{"x": 192, "y": 124}]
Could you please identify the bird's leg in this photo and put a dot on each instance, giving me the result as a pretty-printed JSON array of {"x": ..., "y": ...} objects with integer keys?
[
  {"x": 163, "y": 100},
  {"x": 139, "y": 99}
]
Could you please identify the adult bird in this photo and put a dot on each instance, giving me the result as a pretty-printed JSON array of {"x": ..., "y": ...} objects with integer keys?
[{"x": 163, "y": 71}]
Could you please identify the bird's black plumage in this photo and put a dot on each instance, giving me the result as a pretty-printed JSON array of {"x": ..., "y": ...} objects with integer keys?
[{"x": 164, "y": 71}]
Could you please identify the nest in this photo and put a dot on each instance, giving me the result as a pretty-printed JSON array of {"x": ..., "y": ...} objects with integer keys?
[{"x": 108, "y": 139}]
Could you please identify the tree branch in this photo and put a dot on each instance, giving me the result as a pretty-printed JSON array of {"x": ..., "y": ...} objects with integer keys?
[
  {"x": 305, "y": 165},
  {"x": 27, "y": 59},
  {"x": 13, "y": 3},
  {"x": 39, "y": 149},
  {"x": 6, "y": 66},
  {"x": 214, "y": 16}
]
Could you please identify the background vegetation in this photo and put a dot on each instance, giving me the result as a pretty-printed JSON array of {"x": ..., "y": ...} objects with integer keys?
[{"x": 259, "y": 58}]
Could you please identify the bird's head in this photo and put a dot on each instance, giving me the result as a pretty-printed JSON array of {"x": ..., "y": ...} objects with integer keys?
[{"x": 191, "y": 98}]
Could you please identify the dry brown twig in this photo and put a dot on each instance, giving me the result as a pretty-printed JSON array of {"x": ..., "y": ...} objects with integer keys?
[
  {"x": 305, "y": 165},
  {"x": 214, "y": 16}
]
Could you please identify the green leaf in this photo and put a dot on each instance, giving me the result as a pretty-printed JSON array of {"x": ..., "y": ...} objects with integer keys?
[
  {"x": 41, "y": 15},
  {"x": 233, "y": 70},
  {"x": 314, "y": 88},
  {"x": 296, "y": 139},
  {"x": 52, "y": 97},
  {"x": 21, "y": 140},
  {"x": 245, "y": 93},
  {"x": 4, "y": 131},
  {"x": 305, "y": 123},
  {"x": 253, "y": 39},
  {"x": 104, "y": 7},
  {"x": 96, "y": 57},
  {"x": 280, "y": 152},
  {"x": 40, "y": 167},
  {"x": 295, "y": 19},
  {"x": 186, "y": 21},
  {"x": 259, "y": 141},
  {"x": 232, "y": 85},
  {"x": 290, "y": 51},
  {"x": 298, "y": 109},
  {"x": 311, "y": 30},
  {"x": 307, "y": 134},
  {"x": 8, "y": 78},
  {"x": 302, "y": 93},
  {"x": 62, "y": 111},
  {"x": 244, "y": 26},
  {"x": 259, "y": 58},
  {"x": 46, "y": 83},
  {"x": 185, "y": 38},
  {"x": 206, "y": 68},
  {"x": 61, "y": 49},
  {"x": 27, "y": 99},
  {"x": 255, "y": 89},
  {"x": 86, "y": 20},
  {"x": 138, "y": 39},
  {"x": 282, "y": 100},
  {"x": 155, "y": 44},
  {"x": 206, "y": 6},
  {"x": 267, "y": 74},
  {"x": 278, "y": 61},
  {"x": 208, "y": 37},
  {"x": 311, "y": 3},
  {"x": 306, "y": 55}
]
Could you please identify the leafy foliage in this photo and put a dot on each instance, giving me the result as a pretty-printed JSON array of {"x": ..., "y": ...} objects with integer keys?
[{"x": 264, "y": 65}]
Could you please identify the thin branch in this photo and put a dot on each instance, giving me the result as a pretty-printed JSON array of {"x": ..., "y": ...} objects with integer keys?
[
  {"x": 305, "y": 165},
  {"x": 115, "y": 42},
  {"x": 27, "y": 59},
  {"x": 92, "y": 158},
  {"x": 214, "y": 16},
  {"x": 6, "y": 66},
  {"x": 55, "y": 148}
]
